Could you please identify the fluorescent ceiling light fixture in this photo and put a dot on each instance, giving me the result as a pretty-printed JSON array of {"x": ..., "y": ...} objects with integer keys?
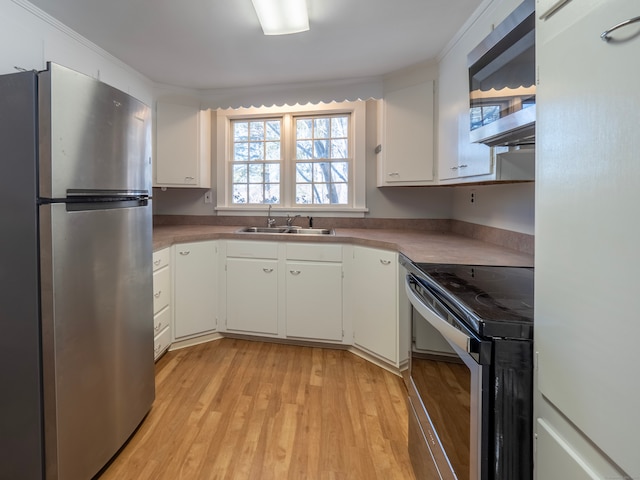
[{"x": 281, "y": 17}]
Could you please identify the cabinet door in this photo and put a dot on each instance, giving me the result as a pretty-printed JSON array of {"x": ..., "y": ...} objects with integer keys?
[
  {"x": 195, "y": 289},
  {"x": 407, "y": 148},
  {"x": 375, "y": 312},
  {"x": 587, "y": 225},
  {"x": 314, "y": 300},
  {"x": 252, "y": 296},
  {"x": 183, "y": 154}
]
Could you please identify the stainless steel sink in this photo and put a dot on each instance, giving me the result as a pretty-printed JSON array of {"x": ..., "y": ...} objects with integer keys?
[
  {"x": 311, "y": 231},
  {"x": 264, "y": 230},
  {"x": 287, "y": 230}
]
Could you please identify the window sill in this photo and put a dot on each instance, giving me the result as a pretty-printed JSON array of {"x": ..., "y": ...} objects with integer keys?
[{"x": 356, "y": 212}]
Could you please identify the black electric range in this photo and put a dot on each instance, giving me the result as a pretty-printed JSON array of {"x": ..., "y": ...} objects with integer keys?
[{"x": 495, "y": 301}]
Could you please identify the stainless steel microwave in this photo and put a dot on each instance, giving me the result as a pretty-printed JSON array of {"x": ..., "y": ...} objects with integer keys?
[{"x": 502, "y": 86}]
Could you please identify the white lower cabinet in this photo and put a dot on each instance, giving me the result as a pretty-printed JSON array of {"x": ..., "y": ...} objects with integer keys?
[
  {"x": 195, "y": 289},
  {"x": 373, "y": 291},
  {"x": 313, "y": 291},
  {"x": 161, "y": 301},
  {"x": 314, "y": 300},
  {"x": 252, "y": 296},
  {"x": 252, "y": 287}
]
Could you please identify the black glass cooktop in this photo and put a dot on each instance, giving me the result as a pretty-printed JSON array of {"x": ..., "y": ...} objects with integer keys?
[{"x": 495, "y": 300}]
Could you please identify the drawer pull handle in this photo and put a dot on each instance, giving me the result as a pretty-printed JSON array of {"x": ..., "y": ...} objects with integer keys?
[
  {"x": 158, "y": 327},
  {"x": 393, "y": 174},
  {"x": 606, "y": 35},
  {"x": 294, "y": 272},
  {"x": 158, "y": 348},
  {"x": 267, "y": 270},
  {"x": 157, "y": 262},
  {"x": 385, "y": 262},
  {"x": 157, "y": 295},
  {"x": 185, "y": 252}
]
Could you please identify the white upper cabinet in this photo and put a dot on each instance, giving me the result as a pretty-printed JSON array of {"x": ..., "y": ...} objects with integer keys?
[
  {"x": 406, "y": 132},
  {"x": 183, "y": 146}
]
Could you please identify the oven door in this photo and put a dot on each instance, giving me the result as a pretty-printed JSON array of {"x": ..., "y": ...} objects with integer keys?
[{"x": 449, "y": 372}]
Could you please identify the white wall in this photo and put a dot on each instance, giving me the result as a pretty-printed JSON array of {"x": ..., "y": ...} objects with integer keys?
[
  {"x": 29, "y": 39},
  {"x": 509, "y": 206}
]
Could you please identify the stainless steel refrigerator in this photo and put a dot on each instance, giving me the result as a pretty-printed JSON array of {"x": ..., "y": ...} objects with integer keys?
[{"x": 76, "y": 313}]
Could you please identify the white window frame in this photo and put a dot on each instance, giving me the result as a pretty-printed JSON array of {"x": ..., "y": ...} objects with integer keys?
[{"x": 357, "y": 174}]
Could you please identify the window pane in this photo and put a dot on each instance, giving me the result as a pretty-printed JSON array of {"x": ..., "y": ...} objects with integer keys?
[
  {"x": 272, "y": 173},
  {"x": 256, "y": 193},
  {"x": 321, "y": 172},
  {"x": 256, "y": 131},
  {"x": 272, "y": 193},
  {"x": 256, "y": 173},
  {"x": 241, "y": 152},
  {"x": 321, "y": 128},
  {"x": 239, "y": 194},
  {"x": 320, "y": 193},
  {"x": 303, "y": 194},
  {"x": 273, "y": 150},
  {"x": 339, "y": 193},
  {"x": 321, "y": 149},
  {"x": 273, "y": 130},
  {"x": 304, "y": 150},
  {"x": 340, "y": 172},
  {"x": 339, "y": 148},
  {"x": 303, "y": 172},
  {"x": 240, "y": 131},
  {"x": 239, "y": 174},
  {"x": 339, "y": 127},
  {"x": 256, "y": 151},
  {"x": 304, "y": 129}
]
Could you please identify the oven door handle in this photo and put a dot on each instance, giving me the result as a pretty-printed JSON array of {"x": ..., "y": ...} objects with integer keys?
[{"x": 448, "y": 331}]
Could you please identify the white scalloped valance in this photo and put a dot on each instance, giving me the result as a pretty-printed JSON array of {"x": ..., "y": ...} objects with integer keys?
[{"x": 278, "y": 95}]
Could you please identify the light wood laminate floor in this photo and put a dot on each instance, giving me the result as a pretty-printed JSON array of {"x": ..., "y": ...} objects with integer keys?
[{"x": 238, "y": 409}]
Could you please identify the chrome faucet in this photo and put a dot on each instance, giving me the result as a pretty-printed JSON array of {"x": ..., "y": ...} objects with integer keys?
[
  {"x": 271, "y": 222},
  {"x": 291, "y": 219}
]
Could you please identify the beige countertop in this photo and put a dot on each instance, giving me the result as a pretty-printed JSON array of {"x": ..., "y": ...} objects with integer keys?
[{"x": 417, "y": 245}]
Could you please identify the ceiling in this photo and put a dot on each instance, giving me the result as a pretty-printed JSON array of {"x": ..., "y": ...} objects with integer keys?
[{"x": 209, "y": 44}]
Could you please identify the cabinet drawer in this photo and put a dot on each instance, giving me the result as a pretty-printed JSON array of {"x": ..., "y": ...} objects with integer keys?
[
  {"x": 247, "y": 249},
  {"x": 161, "y": 289},
  {"x": 161, "y": 258},
  {"x": 161, "y": 320},
  {"x": 314, "y": 252},
  {"x": 161, "y": 342}
]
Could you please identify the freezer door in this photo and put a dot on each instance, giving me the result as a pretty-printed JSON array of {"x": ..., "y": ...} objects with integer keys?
[
  {"x": 97, "y": 320},
  {"x": 92, "y": 136}
]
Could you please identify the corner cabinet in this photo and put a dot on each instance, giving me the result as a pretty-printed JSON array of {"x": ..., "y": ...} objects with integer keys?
[
  {"x": 183, "y": 146},
  {"x": 375, "y": 305},
  {"x": 195, "y": 289},
  {"x": 406, "y": 130},
  {"x": 161, "y": 301}
]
